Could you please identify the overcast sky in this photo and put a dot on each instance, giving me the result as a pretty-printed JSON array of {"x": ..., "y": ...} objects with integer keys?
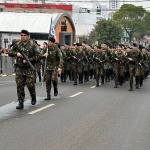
[{"x": 144, "y": 3}]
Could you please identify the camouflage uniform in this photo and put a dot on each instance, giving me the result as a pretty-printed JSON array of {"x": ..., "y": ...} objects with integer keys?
[
  {"x": 38, "y": 65},
  {"x": 63, "y": 74},
  {"x": 53, "y": 62},
  {"x": 85, "y": 64},
  {"x": 90, "y": 58},
  {"x": 108, "y": 65},
  {"x": 134, "y": 66},
  {"x": 99, "y": 58},
  {"x": 119, "y": 67},
  {"x": 77, "y": 64},
  {"x": 24, "y": 73}
]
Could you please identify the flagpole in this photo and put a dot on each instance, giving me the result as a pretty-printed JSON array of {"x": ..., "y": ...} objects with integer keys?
[{"x": 46, "y": 52}]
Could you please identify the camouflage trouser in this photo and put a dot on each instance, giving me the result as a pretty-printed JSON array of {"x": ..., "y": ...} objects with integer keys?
[
  {"x": 134, "y": 70},
  {"x": 119, "y": 71},
  {"x": 142, "y": 70},
  {"x": 78, "y": 69},
  {"x": 25, "y": 76},
  {"x": 50, "y": 76},
  {"x": 99, "y": 73},
  {"x": 38, "y": 69}
]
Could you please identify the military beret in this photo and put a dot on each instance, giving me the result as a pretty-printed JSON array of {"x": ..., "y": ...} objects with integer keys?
[
  {"x": 140, "y": 46},
  {"x": 99, "y": 46},
  {"x": 25, "y": 32},
  {"x": 66, "y": 43},
  {"x": 78, "y": 44},
  {"x": 45, "y": 43},
  {"x": 134, "y": 44},
  {"x": 84, "y": 42},
  {"x": 52, "y": 39}
]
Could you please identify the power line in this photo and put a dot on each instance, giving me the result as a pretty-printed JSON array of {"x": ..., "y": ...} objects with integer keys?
[{"x": 103, "y": 1}]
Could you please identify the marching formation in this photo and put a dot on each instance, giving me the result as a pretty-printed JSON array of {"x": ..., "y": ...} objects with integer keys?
[
  {"x": 79, "y": 63},
  {"x": 106, "y": 63}
]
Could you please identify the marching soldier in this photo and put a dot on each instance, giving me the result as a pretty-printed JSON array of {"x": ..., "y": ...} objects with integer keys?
[
  {"x": 25, "y": 74},
  {"x": 119, "y": 60},
  {"x": 54, "y": 64},
  {"x": 99, "y": 59},
  {"x": 135, "y": 60},
  {"x": 85, "y": 62},
  {"x": 77, "y": 55},
  {"x": 107, "y": 65}
]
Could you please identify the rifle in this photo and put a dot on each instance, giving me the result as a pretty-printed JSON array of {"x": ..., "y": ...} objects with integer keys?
[
  {"x": 28, "y": 61},
  {"x": 136, "y": 61},
  {"x": 123, "y": 63},
  {"x": 44, "y": 67},
  {"x": 145, "y": 65}
]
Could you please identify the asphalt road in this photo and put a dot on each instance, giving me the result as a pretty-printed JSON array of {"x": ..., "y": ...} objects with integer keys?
[{"x": 81, "y": 117}]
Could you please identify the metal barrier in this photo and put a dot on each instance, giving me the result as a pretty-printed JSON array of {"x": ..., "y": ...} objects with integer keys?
[{"x": 6, "y": 65}]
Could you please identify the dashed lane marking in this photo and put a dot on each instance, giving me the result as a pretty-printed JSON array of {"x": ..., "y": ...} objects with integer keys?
[
  {"x": 76, "y": 94},
  {"x": 94, "y": 86},
  {"x": 40, "y": 109}
]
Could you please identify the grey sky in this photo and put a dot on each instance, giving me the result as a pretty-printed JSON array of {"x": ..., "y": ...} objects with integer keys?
[{"x": 144, "y": 3}]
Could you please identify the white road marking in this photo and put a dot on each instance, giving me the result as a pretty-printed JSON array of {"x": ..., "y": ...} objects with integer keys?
[
  {"x": 76, "y": 94},
  {"x": 40, "y": 109},
  {"x": 94, "y": 86}
]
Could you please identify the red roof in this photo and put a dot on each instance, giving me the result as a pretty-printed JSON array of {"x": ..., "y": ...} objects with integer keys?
[{"x": 46, "y": 6}]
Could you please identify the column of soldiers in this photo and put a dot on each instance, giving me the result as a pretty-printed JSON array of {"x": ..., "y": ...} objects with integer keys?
[
  {"x": 79, "y": 63},
  {"x": 105, "y": 63}
]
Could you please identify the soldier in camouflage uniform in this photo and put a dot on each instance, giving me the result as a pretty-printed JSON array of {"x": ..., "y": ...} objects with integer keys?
[
  {"x": 90, "y": 58},
  {"x": 135, "y": 60},
  {"x": 38, "y": 65},
  {"x": 63, "y": 74},
  {"x": 54, "y": 64},
  {"x": 99, "y": 58},
  {"x": 107, "y": 65},
  {"x": 77, "y": 56},
  {"x": 119, "y": 60},
  {"x": 85, "y": 62},
  {"x": 24, "y": 73}
]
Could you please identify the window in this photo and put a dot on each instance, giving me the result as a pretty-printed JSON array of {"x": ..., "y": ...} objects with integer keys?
[{"x": 39, "y": 36}]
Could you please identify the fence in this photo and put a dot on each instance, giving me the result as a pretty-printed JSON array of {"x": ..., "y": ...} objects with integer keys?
[{"x": 6, "y": 65}]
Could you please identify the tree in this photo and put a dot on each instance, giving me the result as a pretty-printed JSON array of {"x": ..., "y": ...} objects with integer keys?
[
  {"x": 106, "y": 31},
  {"x": 132, "y": 19}
]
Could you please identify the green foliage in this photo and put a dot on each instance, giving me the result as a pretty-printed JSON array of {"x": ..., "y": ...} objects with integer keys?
[
  {"x": 106, "y": 31},
  {"x": 134, "y": 19}
]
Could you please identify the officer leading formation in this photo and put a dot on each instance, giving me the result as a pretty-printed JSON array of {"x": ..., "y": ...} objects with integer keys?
[{"x": 82, "y": 62}]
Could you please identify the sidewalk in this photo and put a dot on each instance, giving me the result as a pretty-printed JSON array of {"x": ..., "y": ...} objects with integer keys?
[{"x": 5, "y": 75}]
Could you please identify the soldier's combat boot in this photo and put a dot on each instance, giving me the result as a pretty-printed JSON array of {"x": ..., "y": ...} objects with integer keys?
[
  {"x": 20, "y": 105},
  {"x": 75, "y": 83},
  {"x": 137, "y": 82},
  {"x": 141, "y": 81},
  {"x": 131, "y": 87},
  {"x": 97, "y": 84},
  {"x": 55, "y": 91},
  {"x": 102, "y": 80},
  {"x": 39, "y": 74},
  {"x": 116, "y": 85},
  {"x": 33, "y": 99},
  {"x": 121, "y": 80},
  {"x": 48, "y": 97}
]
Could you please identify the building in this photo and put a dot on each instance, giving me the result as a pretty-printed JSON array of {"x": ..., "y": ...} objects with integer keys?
[{"x": 38, "y": 24}]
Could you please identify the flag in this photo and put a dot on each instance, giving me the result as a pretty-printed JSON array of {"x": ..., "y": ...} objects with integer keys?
[{"x": 52, "y": 29}]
